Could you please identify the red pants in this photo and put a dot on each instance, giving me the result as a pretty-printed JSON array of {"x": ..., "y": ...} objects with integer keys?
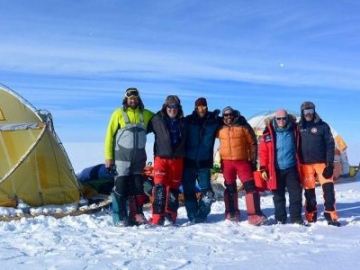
[
  {"x": 168, "y": 172},
  {"x": 233, "y": 168},
  {"x": 167, "y": 179}
]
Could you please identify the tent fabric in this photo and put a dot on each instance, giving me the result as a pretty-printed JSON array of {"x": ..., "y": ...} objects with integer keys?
[{"x": 34, "y": 166}]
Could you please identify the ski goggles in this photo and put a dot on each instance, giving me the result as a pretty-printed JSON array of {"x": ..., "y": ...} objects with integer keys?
[
  {"x": 281, "y": 118},
  {"x": 308, "y": 111},
  {"x": 131, "y": 92},
  {"x": 173, "y": 106}
]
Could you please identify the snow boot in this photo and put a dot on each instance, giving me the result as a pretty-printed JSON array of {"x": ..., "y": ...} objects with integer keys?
[
  {"x": 332, "y": 218},
  {"x": 205, "y": 202},
  {"x": 252, "y": 200},
  {"x": 232, "y": 212},
  {"x": 119, "y": 210},
  {"x": 191, "y": 206},
  {"x": 136, "y": 215},
  {"x": 171, "y": 204},
  {"x": 311, "y": 217},
  {"x": 310, "y": 205},
  {"x": 158, "y": 205}
]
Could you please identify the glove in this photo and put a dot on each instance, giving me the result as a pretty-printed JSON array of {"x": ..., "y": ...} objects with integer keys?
[
  {"x": 264, "y": 173},
  {"x": 328, "y": 171},
  {"x": 112, "y": 170}
]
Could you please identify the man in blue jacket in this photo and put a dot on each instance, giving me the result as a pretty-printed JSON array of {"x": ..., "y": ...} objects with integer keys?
[{"x": 201, "y": 129}]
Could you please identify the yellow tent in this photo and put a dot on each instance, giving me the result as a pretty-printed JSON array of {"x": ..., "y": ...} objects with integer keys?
[{"x": 34, "y": 166}]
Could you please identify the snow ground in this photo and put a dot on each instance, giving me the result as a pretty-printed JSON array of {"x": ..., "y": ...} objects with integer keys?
[{"x": 92, "y": 242}]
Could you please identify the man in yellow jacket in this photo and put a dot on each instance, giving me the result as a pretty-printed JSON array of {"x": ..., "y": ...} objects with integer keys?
[{"x": 125, "y": 151}]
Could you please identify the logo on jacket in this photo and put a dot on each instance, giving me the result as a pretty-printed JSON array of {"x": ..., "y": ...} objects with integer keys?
[
  {"x": 314, "y": 130},
  {"x": 267, "y": 138}
]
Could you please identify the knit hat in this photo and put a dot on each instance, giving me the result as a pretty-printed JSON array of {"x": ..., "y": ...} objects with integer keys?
[
  {"x": 201, "y": 102},
  {"x": 131, "y": 92},
  {"x": 227, "y": 108},
  {"x": 172, "y": 99},
  {"x": 307, "y": 105}
]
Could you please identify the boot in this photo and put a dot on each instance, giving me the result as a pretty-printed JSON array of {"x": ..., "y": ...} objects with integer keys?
[
  {"x": 136, "y": 215},
  {"x": 311, "y": 217},
  {"x": 310, "y": 205},
  {"x": 171, "y": 204},
  {"x": 191, "y": 206},
  {"x": 255, "y": 215},
  {"x": 206, "y": 200},
  {"x": 232, "y": 212},
  {"x": 158, "y": 205},
  {"x": 119, "y": 211},
  {"x": 332, "y": 218}
]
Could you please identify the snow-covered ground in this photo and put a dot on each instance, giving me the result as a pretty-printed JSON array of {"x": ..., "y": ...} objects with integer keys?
[{"x": 92, "y": 242}]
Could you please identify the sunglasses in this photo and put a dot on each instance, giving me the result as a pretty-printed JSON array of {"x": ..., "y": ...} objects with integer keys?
[
  {"x": 281, "y": 118},
  {"x": 173, "y": 106},
  {"x": 132, "y": 93},
  {"x": 228, "y": 114},
  {"x": 308, "y": 111}
]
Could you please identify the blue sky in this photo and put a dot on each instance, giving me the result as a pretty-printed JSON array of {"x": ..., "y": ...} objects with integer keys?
[{"x": 76, "y": 58}]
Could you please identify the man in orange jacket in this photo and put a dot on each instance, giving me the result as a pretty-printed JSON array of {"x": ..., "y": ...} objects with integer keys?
[{"x": 238, "y": 151}]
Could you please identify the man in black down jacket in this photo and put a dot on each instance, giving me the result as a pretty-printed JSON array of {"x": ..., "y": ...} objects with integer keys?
[
  {"x": 317, "y": 149},
  {"x": 169, "y": 129}
]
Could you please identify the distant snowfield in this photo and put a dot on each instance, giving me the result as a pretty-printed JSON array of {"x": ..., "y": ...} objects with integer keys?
[{"x": 92, "y": 242}]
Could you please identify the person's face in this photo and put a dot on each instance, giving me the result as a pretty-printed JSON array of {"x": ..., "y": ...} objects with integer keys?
[
  {"x": 309, "y": 114},
  {"x": 201, "y": 111},
  {"x": 228, "y": 117},
  {"x": 281, "y": 119},
  {"x": 172, "y": 110},
  {"x": 132, "y": 102}
]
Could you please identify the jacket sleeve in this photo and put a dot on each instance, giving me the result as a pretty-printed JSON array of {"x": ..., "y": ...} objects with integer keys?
[
  {"x": 148, "y": 115},
  {"x": 263, "y": 153},
  {"x": 150, "y": 128},
  {"x": 330, "y": 144},
  {"x": 252, "y": 142},
  {"x": 112, "y": 128}
]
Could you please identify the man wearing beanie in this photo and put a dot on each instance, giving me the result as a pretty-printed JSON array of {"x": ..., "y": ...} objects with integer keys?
[
  {"x": 169, "y": 129},
  {"x": 125, "y": 156},
  {"x": 202, "y": 126},
  {"x": 238, "y": 152},
  {"x": 317, "y": 149}
]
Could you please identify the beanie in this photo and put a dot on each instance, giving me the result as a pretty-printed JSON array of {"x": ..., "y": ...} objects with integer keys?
[
  {"x": 172, "y": 99},
  {"x": 131, "y": 92},
  {"x": 307, "y": 105},
  {"x": 201, "y": 102},
  {"x": 227, "y": 108}
]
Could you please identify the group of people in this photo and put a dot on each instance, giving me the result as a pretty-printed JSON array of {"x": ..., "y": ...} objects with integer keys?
[{"x": 291, "y": 156}]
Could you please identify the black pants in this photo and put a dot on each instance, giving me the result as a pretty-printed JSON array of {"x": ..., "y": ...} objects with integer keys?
[
  {"x": 130, "y": 185},
  {"x": 288, "y": 179}
]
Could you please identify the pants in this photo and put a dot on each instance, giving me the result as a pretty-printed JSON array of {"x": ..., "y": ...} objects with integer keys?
[
  {"x": 167, "y": 180},
  {"x": 197, "y": 210},
  {"x": 128, "y": 193},
  {"x": 288, "y": 179},
  {"x": 242, "y": 169},
  {"x": 309, "y": 173}
]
